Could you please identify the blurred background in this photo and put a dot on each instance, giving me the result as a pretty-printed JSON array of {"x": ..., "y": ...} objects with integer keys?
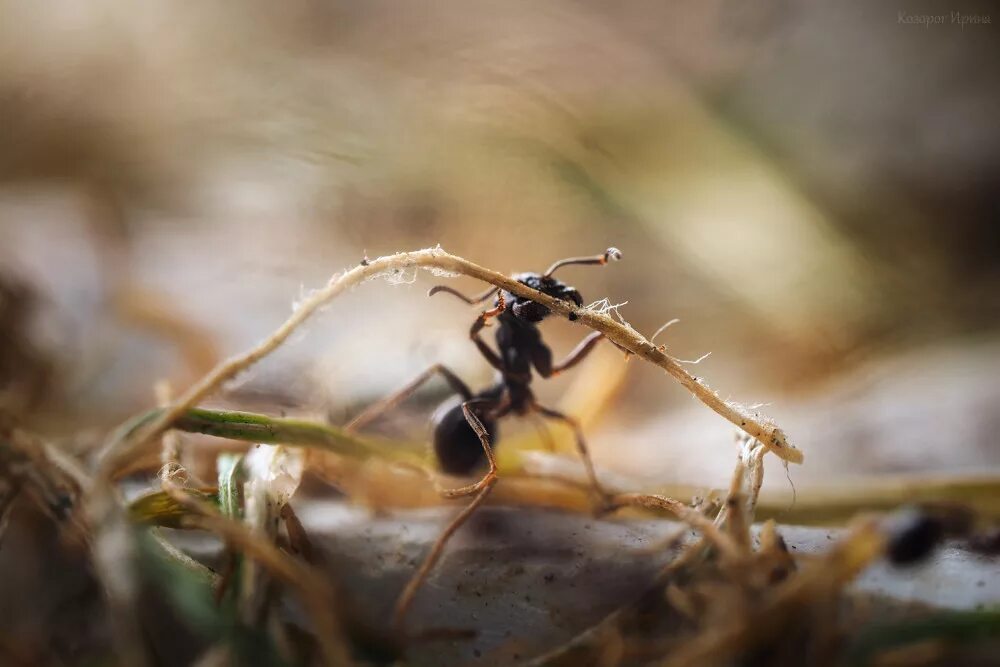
[{"x": 809, "y": 187}]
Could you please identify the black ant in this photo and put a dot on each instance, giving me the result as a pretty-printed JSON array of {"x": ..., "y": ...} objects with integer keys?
[{"x": 464, "y": 429}]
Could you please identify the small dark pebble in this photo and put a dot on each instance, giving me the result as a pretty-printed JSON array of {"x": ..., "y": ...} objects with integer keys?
[
  {"x": 987, "y": 543},
  {"x": 912, "y": 534}
]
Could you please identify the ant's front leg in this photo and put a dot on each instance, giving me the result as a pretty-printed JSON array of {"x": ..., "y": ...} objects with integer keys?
[
  {"x": 480, "y": 489},
  {"x": 477, "y": 326}
]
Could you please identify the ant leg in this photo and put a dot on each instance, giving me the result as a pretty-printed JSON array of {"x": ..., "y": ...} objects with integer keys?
[
  {"x": 541, "y": 357},
  {"x": 543, "y": 433},
  {"x": 579, "y": 353},
  {"x": 373, "y": 411},
  {"x": 477, "y": 326},
  {"x": 499, "y": 409},
  {"x": 581, "y": 446},
  {"x": 417, "y": 580},
  {"x": 481, "y": 489}
]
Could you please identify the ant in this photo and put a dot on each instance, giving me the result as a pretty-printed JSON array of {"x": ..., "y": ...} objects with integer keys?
[{"x": 465, "y": 428}]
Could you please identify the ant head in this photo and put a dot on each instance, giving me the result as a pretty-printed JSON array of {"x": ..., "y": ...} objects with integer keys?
[{"x": 532, "y": 311}]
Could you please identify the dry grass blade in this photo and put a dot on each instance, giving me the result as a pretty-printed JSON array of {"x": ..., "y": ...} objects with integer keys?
[
  {"x": 29, "y": 465},
  {"x": 315, "y": 591},
  {"x": 724, "y": 543},
  {"x": 729, "y": 576},
  {"x": 788, "y": 604},
  {"x": 114, "y": 555},
  {"x": 272, "y": 476},
  {"x": 837, "y": 504},
  {"x": 257, "y": 428}
]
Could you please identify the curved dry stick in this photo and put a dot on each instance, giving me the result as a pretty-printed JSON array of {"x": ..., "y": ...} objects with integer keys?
[{"x": 622, "y": 335}]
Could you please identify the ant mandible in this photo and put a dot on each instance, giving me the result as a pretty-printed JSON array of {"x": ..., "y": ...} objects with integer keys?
[{"x": 465, "y": 429}]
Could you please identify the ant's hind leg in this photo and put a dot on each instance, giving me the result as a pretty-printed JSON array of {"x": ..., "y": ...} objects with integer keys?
[
  {"x": 480, "y": 489},
  {"x": 498, "y": 410},
  {"x": 375, "y": 410},
  {"x": 420, "y": 576},
  {"x": 581, "y": 446}
]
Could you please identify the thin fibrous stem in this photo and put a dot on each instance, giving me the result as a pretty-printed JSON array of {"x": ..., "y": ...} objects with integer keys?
[
  {"x": 663, "y": 328},
  {"x": 170, "y": 451},
  {"x": 723, "y": 542},
  {"x": 264, "y": 429},
  {"x": 622, "y": 335}
]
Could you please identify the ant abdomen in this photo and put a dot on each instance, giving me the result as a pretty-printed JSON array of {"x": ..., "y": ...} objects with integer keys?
[{"x": 458, "y": 449}]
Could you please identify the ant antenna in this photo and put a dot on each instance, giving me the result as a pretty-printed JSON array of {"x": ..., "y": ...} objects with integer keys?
[
  {"x": 609, "y": 254},
  {"x": 471, "y": 300}
]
